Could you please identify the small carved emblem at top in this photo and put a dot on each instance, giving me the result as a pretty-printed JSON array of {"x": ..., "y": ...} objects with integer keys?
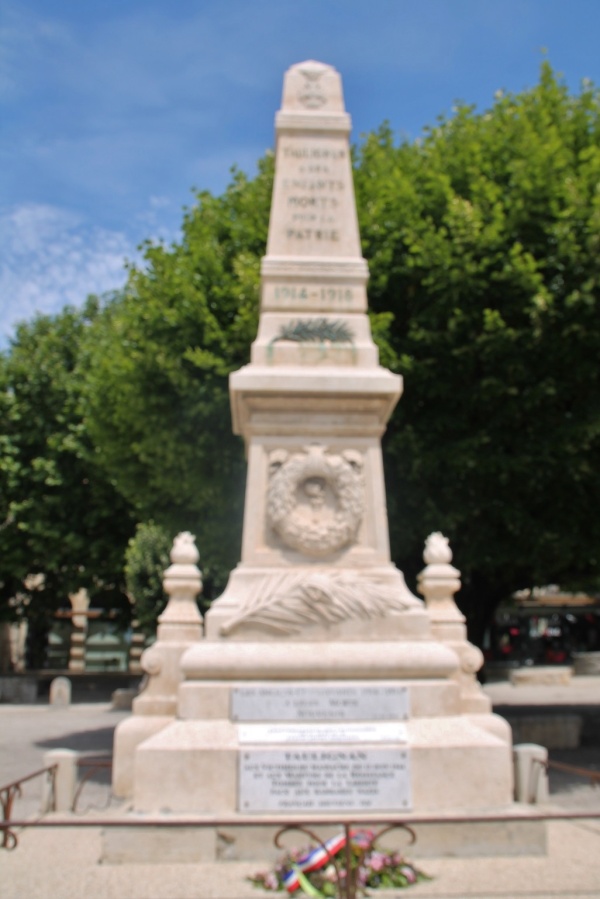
[{"x": 311, "y": 93}]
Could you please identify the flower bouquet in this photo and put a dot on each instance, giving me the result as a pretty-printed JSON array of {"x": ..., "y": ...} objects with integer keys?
[{"x": 322, "y": 872}]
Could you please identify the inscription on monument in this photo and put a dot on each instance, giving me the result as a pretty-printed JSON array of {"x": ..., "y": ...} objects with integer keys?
[
  {"x": 313, "y": 195},
  {"x": 322, "y": 294},
  {"x": 319, "y": 780},
  {"x": 320, "y": 703},
  {"x": 372, "y": 732},
  {"x": 307, "y": 296}
]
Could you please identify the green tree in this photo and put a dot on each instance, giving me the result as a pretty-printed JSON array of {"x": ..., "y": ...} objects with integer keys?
[
  {"x": 156, "y": 364},
  {"x": 146, "y": 559},
  {"x": 60, "y": 516},
  {"x": 483, "y": 242}
]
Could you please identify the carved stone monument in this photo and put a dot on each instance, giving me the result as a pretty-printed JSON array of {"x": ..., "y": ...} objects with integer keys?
[{"x": 320, "y": 684}]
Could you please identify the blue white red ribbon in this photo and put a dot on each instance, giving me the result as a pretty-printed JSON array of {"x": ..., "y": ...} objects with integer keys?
[{"x": 314, "y": 860}]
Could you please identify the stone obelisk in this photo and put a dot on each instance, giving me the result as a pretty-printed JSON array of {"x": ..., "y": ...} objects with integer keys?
[{"x": 313, "y": 402}]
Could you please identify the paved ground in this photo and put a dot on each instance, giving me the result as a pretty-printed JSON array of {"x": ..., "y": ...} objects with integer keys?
[
  {"x": 27, "y": 732},
  {"x": 61, "y": 864}
]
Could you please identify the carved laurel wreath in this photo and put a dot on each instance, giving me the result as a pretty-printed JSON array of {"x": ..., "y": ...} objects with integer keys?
[
  {"x": 323, "y": 533},
  {"x": 315, "y": 330}
]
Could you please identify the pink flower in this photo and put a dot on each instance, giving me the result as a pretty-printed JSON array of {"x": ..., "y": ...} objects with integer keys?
[
  {"x": 409, "y": 874},
  {"x": 363, "y": 875},
  {"x": 377, "y": 861},
  {"x": 330, "y": 874}
]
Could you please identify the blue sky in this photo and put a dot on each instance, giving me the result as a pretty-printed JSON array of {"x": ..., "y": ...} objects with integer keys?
[{"x": 112, "y": 110}]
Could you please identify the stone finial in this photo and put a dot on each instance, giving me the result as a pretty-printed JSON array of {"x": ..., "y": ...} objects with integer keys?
[
  {"x": 184, "y": 550},
  {"x": 182, "y": 582},
  {"x": 439, "y": 580},
  {"x": 437, "y": 550}
]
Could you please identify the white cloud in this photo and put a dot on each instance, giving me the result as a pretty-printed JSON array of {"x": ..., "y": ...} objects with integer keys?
[{"x": 52, "y": 258}]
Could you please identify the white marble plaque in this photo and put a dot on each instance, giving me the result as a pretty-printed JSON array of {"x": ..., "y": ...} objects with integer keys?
[
  {"x": 373, "y": 732},
  {"x": 320, "y": 780},
  {"x": 319, "y": 703}
]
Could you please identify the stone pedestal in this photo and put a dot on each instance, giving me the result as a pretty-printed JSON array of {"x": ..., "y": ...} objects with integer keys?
[
  {"x": 179, "y": 626},
  {"x": 438, "y": 582},
  {"x": 211, "y": 764}
]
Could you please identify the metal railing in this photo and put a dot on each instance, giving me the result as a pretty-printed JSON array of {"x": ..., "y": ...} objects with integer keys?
[
  {"x": 10, "y": 792},
  {"x": 539, "y": 765},
  {"x": 592, "y": 776},
  {"x": 347, "y": 887},
  {"x": 346, "y": 876},
  {"x": 92, "y": 765}
]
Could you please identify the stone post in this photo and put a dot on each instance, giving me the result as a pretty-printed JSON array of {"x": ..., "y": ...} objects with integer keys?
[
  {"x": 65, "y": 780},
  {"x": 438, "y": 582},
  {"x": 179, "y": 626},
  {"x": 60, "y": 692},
  {"x": 531, "y": 775}
]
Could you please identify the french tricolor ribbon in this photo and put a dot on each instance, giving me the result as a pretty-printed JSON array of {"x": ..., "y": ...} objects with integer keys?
[{"x": 314, "y": 860}]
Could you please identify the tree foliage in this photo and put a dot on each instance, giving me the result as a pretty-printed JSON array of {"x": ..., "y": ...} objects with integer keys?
[
  {"x": 156, "y": 367},
  {"x": 483, "y": 243},
  {"x": 146, "y": 559},
  {"x": 60, "y": 515}
]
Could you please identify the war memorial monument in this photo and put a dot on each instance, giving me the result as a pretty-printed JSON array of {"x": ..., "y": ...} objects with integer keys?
[{"x": 317, "y": 684}]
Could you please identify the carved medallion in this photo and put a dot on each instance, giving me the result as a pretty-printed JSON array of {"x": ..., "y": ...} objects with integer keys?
[{"x": 315, "y": 500}]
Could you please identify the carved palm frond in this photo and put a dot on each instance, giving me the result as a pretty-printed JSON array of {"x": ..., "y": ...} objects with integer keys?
[
  {"x": 301, "y": 600},
  {"x": 315, "y": 330}
]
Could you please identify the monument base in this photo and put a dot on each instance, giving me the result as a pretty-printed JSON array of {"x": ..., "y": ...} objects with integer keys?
[
  {"x": 234, "y": 843},
  {"x": 339, "y": 745}
]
